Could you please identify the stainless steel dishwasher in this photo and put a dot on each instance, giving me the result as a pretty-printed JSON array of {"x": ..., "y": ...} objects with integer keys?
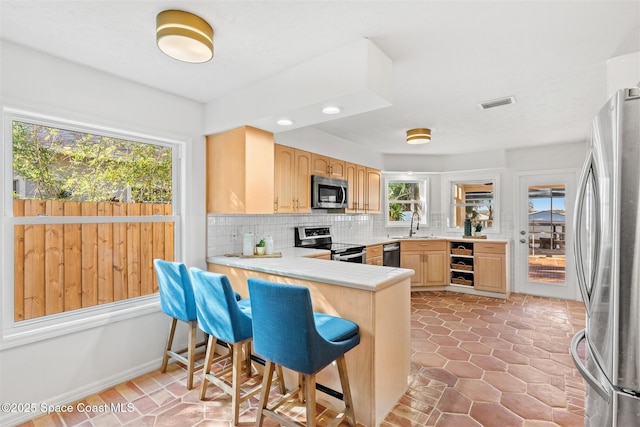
[{"x": 391, "y": 254}]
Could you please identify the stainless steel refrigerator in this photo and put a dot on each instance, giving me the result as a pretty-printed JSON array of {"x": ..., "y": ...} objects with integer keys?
[{"x": 607, "y": 248}]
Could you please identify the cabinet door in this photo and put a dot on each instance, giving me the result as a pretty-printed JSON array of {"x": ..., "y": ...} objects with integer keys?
[
  {"x": 350, "y": 176},
  {"x": 413, "y": 261},
  {"x": 283, "y": 177},
  {"x": 373, "y": 186},
  {"x": 436, "y": 272},
  {"x": 361, "y": 188},
  {"x": 302, "y": 182},
  {"x": 337, "y": 168},
  {"x": 490, "y": 272},
  {"x": 319, "y": 165}
]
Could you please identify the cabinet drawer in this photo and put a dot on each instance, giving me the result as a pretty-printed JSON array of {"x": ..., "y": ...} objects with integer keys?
[
  {"x": 490, "y": 248},
  {"x": 374, "y": 251},
  {"x": 423, "y": 245}
]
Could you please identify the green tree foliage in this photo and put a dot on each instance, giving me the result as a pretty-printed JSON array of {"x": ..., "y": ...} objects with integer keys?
[
  {"x": 71, "y": 165},
  {"x": 402, "y": 191}
]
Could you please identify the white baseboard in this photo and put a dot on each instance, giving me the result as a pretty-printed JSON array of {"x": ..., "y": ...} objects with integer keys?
[{"x": 14, "y": 418}]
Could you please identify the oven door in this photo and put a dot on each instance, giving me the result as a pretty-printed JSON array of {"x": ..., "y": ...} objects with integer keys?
[{"x": 359, "y": 257}]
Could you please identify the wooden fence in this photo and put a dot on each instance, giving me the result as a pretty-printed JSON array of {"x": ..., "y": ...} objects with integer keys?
[{"x": 64, "y": 267}]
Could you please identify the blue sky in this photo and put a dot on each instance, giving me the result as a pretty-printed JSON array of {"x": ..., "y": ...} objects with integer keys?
[{"x": 545, "y": 203}]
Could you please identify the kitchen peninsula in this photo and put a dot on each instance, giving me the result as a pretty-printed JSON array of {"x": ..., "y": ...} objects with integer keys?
[{"x": 376, "y": 298}]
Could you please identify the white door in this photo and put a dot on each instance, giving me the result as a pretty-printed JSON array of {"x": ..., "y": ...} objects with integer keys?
[{"x": 544, "y": 244}]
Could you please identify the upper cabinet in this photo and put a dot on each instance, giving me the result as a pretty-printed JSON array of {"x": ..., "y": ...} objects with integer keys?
[
  {"x": 248, "y": 173},
  {"x": 364, "y": 188},
  {"x": 292, "y": 180},
  {"x": 240, "y": 167},
  {"x": 337, "y": 169},
  {"x": 327, "y": 166},
  {"x": 319, "y": 165}
]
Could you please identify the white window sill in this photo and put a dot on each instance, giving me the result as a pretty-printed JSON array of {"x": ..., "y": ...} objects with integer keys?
[{"x": 34, "y": 330}]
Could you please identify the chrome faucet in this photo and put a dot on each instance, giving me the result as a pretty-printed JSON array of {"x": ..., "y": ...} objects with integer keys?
[{"x": 411, "y": 232}]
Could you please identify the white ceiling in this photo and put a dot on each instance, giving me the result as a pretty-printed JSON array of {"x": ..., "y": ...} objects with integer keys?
[{"x": 447, "y": 56}]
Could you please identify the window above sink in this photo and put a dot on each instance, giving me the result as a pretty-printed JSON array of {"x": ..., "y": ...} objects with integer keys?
[{"x": 406, "y": 196}]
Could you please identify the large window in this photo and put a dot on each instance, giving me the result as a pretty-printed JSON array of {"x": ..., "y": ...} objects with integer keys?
[
  {"x": 90, "y": 211},
  {"x": 406, "y": 196}
]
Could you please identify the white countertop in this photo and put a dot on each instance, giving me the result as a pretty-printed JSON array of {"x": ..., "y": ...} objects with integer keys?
[
  {"x": 352, "y": 275},
  {"x": 382, "y": 240}
]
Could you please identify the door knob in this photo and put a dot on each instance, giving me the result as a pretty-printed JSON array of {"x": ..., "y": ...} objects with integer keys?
[{"x": 523, "y": 241}]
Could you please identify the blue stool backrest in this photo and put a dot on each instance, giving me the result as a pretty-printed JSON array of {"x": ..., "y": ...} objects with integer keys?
[
  {"x": 217, "y": 309},
  {"x": 176, "y": 292},
  {"x": 284, "y": 328}
]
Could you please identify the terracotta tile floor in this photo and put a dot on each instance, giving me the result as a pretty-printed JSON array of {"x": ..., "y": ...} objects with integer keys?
[{"x": 476, "y": 361}]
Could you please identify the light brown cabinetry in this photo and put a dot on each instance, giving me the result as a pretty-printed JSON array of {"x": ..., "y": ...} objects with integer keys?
[
  {"x": 327, "y": 166},
  {"x": 240, "y": 164},
  {"x": 292, "y": 180},
  {"x": 428, "y": 259},
  {"x": 374, "y": 254},
  {"x": 319, "y": 165},
  {"x": 364, "y": 188},
  {"x": 489, "y": 263}
]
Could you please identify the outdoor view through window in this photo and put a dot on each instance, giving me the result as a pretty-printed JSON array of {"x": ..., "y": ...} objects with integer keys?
[
  {"x": 547, "y": 232},
  {"x": 121, "y": 189}
]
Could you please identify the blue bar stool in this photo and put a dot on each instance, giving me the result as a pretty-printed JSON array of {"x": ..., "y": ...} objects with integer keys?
[
  {"x": 176, "y": 301},
  {"x": 222, "y": 316},
  {"x": 288, "y": 333}
]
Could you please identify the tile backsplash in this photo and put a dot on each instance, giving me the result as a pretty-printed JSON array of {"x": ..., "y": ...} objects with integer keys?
[{"x": 224, "y": 232}]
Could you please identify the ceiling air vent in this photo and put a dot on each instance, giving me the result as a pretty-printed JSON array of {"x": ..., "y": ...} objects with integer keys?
[{"x": 497, "y": 102}]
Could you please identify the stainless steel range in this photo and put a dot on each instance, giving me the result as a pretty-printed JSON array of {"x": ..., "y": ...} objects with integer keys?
[{"x": 320, "y": 238}]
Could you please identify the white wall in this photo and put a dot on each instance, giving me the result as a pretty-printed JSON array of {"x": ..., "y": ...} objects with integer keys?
[
  {"x": 319, "y": 142},
  {"x": 67, "y": 367},
  {"x": 507, "y": 164}
]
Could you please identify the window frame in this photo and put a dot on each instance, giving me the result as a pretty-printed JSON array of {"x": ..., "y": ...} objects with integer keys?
[
  {"x": 451, "y": 179},
  {"x": 14, "y": 333},
  {"x": 421, "y": 179}
]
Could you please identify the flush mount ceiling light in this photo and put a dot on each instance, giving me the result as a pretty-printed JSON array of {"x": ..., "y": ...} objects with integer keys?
[
  {"x": 331, "y": 110},
  {"x": 184, "y": 36},
  {"x": 284, "y": 122},
  {"x": 418, "y": 136}
]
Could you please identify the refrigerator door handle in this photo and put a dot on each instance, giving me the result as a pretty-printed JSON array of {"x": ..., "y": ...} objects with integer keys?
[
  {"x": 590, "y": 379},
  {"x": 588, "y": 173}
]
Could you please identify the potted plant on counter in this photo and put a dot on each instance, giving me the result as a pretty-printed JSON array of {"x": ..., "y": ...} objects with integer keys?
[
  {"x": 478, "y": 229},
  {"x": 261, "y": 247}
]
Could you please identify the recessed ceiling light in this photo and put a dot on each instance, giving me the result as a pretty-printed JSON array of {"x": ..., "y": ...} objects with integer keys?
[
  {"x": 285, "y": 122},
  {"x": 331, "y": 110}
]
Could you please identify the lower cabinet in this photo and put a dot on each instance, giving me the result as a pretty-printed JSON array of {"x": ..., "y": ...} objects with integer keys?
[
  {"x": 489, "y": 264},
  {"x": 428, "y": 259},
  {"x": 374, "y": 255}
]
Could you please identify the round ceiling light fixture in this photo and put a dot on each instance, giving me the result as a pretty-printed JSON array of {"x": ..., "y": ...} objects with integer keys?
[
  {"x": 418, "y": 136},
  {"x": 331, "y": 110},
  {"x": 284, "y": 122},
  {"x": 184, "y": 36}
]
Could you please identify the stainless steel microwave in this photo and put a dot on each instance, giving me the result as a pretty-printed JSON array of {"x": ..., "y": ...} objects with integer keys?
[{"x": 328, "y": 193}]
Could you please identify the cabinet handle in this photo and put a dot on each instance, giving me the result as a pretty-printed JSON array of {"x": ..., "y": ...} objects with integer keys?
[{"x": 275, "y": 205}]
